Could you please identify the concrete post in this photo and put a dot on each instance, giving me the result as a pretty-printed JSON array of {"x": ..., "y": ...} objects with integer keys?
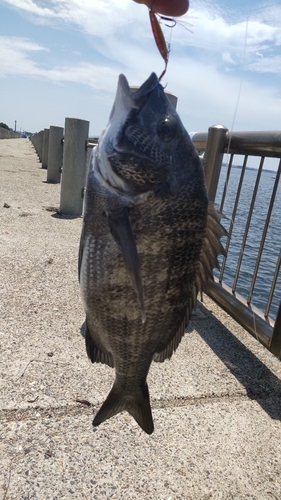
[
  {"x": 45, "y": 148},
  {"x": 55, "y": 154},
  {"x": 39, "y": 142},
  {"x": 172, "y": 98},
  {"x": 35, "y": 141},
  {"x": 74, "y": 166}
]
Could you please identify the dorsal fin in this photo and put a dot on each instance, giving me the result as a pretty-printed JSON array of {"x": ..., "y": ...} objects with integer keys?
[{"x": 211, "y": 248}]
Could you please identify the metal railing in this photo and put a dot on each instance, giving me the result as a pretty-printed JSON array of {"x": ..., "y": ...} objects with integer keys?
[
  {"x": 215, "y": 144},
  {"x": 226, "y": 288}
]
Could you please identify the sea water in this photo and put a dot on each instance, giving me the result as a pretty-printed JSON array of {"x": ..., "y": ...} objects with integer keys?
[{"x": 272, "y": 242}]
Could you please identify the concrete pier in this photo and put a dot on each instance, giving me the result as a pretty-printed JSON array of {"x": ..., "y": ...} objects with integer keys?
[{"x": 216, "y": 404}]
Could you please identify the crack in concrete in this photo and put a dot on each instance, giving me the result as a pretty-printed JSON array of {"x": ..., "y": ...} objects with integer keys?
[{"x": 85, "y": 407}]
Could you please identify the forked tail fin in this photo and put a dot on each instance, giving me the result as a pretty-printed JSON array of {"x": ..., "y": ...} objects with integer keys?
[{"x": 138, "y": 406}]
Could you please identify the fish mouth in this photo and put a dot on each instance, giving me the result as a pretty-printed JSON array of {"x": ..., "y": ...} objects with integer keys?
[
  {"x": 144, "y": 90},
  {"x": 139, "y": 92},
  {"x": 126, "y": 101},
  {"x": 128, "y": 98}
]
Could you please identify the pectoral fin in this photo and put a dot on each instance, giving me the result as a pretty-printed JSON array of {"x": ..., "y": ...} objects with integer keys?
[
  {"x": 81, "y": 249},
  {"x": 121, "y": 230}
]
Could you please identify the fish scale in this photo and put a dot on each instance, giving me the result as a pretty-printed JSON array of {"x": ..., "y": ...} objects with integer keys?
[{"x": 144, "y": 251}]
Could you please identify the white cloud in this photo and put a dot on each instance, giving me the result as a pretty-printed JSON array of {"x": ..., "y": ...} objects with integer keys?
[
  {"x": 98, "y": 77},
  {"x": 226, "y": 57},
  {"x": 214, "y": 30},
  {"x": 210, "y": 28},
  {"x": 15, "y": 59},
  {"x": 240, "y": 39},
  {"x": 210, "y": 97},
  {"x": 94, "y": 17},
  {"x": 32, "y": 7},
  {"x": 266, "y": 65},
  {"x": 120, "y": 31}
]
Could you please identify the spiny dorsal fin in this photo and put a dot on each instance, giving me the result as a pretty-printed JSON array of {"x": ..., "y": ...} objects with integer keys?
[{"x": 212, "y": 247}]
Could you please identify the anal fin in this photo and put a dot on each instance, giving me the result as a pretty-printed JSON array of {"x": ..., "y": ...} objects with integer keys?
[{"x": 95, "y": 353}]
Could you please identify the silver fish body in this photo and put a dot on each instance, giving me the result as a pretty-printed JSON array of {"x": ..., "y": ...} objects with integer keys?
[{"x": 148, "y": 245}]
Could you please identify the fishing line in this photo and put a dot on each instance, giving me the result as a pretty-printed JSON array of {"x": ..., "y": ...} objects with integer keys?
[
  {"x": 225, "y": 189},
  {"x": 240, "y": 84},
  {"x": 238, "y": 99},
  {"x": 233, "y": 122}
]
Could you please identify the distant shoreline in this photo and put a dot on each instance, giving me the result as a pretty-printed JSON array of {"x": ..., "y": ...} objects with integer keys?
[{"x": 225, "y": 165}]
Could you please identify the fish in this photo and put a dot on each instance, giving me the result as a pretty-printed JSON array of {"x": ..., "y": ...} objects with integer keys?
[{"x": 149, "y": 242}]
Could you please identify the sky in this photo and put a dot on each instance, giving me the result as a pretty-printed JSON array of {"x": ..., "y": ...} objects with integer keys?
[{"x": 62, "y": 58}]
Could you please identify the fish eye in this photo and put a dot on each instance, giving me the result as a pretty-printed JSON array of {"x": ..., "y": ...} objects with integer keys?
[{"x": 166, "y": 129}]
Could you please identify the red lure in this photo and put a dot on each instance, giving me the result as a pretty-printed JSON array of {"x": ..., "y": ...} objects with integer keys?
[{"x": 159, "y": 37}]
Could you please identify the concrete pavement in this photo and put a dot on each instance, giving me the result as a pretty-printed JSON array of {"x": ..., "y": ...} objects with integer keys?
[{"x": 216, "y": 403}]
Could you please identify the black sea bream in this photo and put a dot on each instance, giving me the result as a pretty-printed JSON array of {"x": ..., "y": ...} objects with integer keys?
[{"x": 149, "y": 243}]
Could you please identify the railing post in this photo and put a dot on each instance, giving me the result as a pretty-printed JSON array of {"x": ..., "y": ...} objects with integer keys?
[
  {"x": 33, "y": 140},
  {"x": 55, "y": 154},
  {"x": 40, "y": 145},
  {"x": 45, "y": 148},
  {"x": 213, "y": 156},
  {"x": 37, "y": 141},
  {"x": 275, "y": 344},
  {"x": 74, "y": 166}
]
